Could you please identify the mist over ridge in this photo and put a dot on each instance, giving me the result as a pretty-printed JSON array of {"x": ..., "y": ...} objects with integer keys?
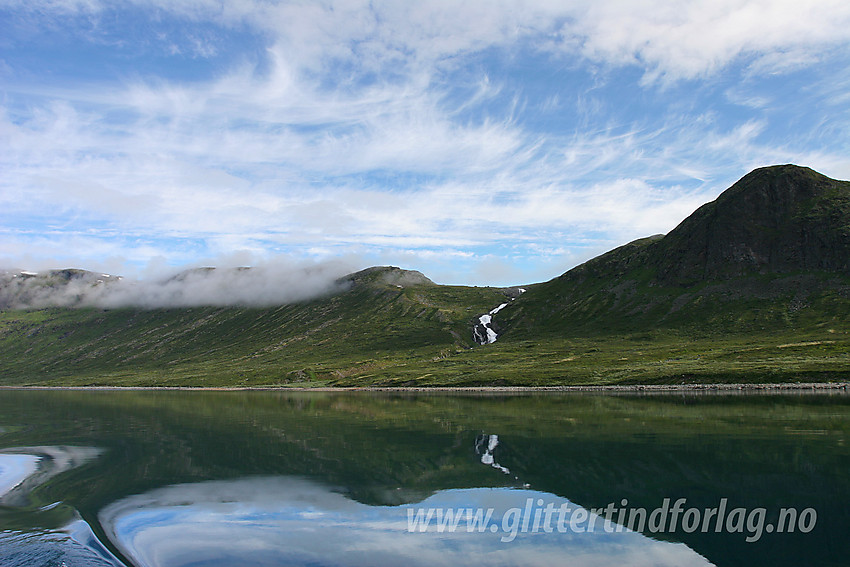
[{"x": 268, "y": 284}]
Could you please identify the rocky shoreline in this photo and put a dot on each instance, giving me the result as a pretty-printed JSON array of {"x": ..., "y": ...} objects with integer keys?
[{"x": 820, "y": 387}]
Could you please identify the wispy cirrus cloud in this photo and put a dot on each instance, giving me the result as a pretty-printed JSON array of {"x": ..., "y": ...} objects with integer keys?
[
  {"x": 685, "y": 40},
  {"x": 440, "y": 134}
]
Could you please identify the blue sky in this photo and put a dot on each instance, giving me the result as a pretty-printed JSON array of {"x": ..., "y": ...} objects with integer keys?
[{"x": 481, "y": 142}]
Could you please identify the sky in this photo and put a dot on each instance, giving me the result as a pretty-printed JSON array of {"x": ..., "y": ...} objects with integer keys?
[{"x": 482, "y": 142}]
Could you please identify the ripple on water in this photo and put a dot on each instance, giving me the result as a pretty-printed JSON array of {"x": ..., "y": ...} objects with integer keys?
[
  {"x": 75, "y": 545},
  {"x": 22, "y": 469}
]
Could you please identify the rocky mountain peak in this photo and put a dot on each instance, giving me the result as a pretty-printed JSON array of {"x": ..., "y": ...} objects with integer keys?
[{"x": 776, "y": 219}]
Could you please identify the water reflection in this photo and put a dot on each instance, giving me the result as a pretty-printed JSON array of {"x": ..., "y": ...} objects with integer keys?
[
  {"x": 291, "y": 521},
  {"x": 22, "y": 469},
  {"x": 72, "y": 547},
  {"x": 14, "y": 469},
  {"x": 484, "y": 446},
  {"x": 388, "y": 453}
]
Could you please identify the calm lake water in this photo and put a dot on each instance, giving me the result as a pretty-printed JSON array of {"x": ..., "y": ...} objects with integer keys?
[{"x": 168, "y": 479}]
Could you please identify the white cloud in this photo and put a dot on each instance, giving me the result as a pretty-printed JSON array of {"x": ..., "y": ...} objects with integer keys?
[
  {"x": 686, "y": 39},
  {"x": 276, "y": 282},
  {"x": 675, "y": 39},
  {"x": 349, "y": 131}
]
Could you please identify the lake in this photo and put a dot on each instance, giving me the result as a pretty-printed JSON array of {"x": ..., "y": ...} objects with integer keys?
[{"x": 180, "y": 478}]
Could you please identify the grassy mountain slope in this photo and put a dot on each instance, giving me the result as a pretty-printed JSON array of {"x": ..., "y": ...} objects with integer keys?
[
  {"x": 753, "y": 287},
  {"x": 378, "y": 322},
  {"x": 771, "y": 254}
]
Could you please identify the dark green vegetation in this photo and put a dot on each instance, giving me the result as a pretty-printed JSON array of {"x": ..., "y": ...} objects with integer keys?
[
  {"x": 771, "y": 253},
  {"x": 386, "y": 450},
  {"x": 372, "y": 326},
  {"x": 753, "y": 287}
]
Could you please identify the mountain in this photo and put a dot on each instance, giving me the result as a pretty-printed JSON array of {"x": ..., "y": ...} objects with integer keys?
[
  {"x": 20, "y": 288},
  {"x": 752, "y": 287},
  {"x": 779, "y": 219},
  {"x": 771, "y": 252},
  {"x": 377, "y": 318},
  {"x": 385, "y": 275}
]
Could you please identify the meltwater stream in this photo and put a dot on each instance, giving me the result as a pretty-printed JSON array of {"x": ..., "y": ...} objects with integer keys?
[{"x": 483, "y": 332}]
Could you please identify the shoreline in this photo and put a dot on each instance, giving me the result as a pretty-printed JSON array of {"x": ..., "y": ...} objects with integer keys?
[{"x": 770, "y": 388}]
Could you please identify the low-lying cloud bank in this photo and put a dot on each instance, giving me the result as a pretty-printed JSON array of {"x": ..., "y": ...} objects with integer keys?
[{"x": 262, "y": 286}]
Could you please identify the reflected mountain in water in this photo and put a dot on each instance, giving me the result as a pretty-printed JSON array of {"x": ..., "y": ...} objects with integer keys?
[{"x": 372, "y": 454}]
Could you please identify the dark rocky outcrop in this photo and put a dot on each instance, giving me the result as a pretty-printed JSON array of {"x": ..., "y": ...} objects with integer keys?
[
  {"x": 776, "y": 241},
  {"x": 776, "y": 219}
]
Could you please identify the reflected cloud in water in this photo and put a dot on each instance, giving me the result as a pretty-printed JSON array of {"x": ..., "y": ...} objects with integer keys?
[
  {"x": 284, "y": 520},
  {"x": 14, "y": 469},
  {"x": 21, "y": 470},
  {"x": 24, "y": 468}
]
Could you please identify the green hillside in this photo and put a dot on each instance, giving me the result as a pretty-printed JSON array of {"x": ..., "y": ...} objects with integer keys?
[
  {"x": 376, "y": 323},
  {"x": 752, "y": 287},
  {"x": 771, "y": 254}
]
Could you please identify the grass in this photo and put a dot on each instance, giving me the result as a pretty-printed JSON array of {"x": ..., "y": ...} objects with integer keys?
[
  {"x": 641, "y": 313},
  {"x": 664, "y": 358},
  {"x": 364, "y": 330},
  {"x": 380, "y": 334}
]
